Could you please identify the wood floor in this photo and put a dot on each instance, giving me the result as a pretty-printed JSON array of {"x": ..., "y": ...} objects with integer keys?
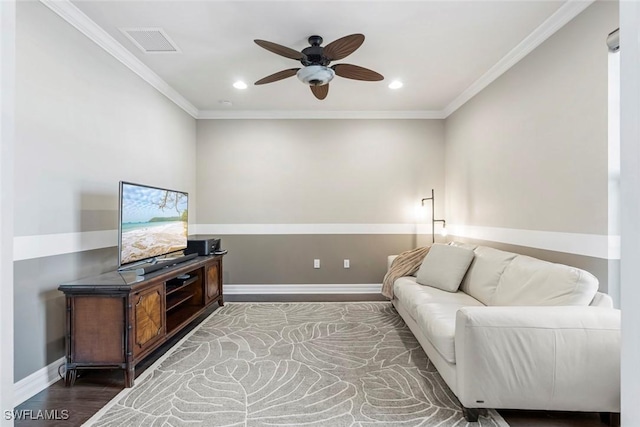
[{"x": 94, "y": 389}]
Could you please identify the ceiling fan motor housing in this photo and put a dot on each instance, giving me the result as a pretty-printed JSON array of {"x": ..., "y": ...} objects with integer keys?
[
  {"x": 315, "y": 75},
  {"x": 314, "y": 54}
]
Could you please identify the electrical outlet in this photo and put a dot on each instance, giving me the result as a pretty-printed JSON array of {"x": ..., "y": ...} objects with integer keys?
[
  {"x": 346, "y": 263},
  {"x": 316, "y": 263}
]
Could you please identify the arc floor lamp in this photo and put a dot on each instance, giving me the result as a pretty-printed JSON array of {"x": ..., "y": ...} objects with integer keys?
[{"x": 433, "y": 216}]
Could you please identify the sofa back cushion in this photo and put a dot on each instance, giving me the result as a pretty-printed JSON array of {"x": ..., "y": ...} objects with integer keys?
[
  {"x": 444, "y": 267},
  {"x": 530, "y": 281},
  {"x": 463, "y": 245},
  {"x": 484, "y": 273}
]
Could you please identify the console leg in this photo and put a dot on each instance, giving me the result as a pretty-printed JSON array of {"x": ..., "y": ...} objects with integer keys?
[
  {"x": 471, "y": 414},
  {"x": 129, "y": 376},
  {"x": 220, "y": 302},
  {"x": 70, "y": 377}
]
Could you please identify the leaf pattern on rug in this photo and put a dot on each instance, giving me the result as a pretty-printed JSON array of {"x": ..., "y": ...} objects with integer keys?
[
  {"x": 399, "y": 394},
  {"x": 331, "y": 345},
  {"x": 274, "y": 315},
  {"x": 311, "y": 364},
  {"x": 399, "y": 347},
  {"x": 381, "y": 317}
]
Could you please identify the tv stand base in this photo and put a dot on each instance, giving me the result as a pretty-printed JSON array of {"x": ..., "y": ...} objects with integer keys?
[{"x": 115, "y": 325}]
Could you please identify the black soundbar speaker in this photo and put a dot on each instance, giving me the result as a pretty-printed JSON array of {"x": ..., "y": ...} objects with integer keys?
[
  {"x": 202, "y": 244},
  {"x": 162, "y": 263}
]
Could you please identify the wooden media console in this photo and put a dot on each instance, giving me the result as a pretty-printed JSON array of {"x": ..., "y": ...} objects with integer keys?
[{"x": 116, "y": 319}]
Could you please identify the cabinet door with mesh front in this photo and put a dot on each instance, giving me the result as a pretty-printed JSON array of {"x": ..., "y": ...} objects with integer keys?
[
  {"x": 97, "y": 330},
  {"x": 149, "y": 315}
]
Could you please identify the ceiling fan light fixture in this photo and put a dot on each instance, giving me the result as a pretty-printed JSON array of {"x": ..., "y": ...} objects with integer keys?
[{"x": 315, "y": 75}]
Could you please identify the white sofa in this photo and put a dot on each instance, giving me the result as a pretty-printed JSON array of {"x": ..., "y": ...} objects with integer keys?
[{"x": 520, "y": 333}]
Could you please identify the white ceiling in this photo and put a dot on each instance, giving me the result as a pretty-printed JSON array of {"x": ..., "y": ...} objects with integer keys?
[{"x": 437, "y": 48}]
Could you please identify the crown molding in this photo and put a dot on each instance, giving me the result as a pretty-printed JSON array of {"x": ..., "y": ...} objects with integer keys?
[
  {"x": 74, "y": 16},
  {"x": 319, "y": 114},
  {"x": 560, "y": 18}
]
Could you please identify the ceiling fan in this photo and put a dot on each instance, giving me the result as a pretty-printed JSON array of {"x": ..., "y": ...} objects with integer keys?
[{"x": 316, "y": 59}]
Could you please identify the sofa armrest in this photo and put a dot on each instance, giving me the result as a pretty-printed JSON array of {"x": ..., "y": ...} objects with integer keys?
[{"x": 550, "y": 358}]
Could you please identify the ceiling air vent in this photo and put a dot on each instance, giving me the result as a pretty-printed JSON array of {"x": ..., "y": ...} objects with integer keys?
[{"x": 151, "y": 40}]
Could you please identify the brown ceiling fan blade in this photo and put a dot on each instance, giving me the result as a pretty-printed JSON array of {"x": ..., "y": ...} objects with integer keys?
[
  {"x": 320, "y": 92},
  {"x": 357, "y": 73},
  {"x": 278, "y": 76},
  {"x": 343, "y": 47},
  {"x": 280, "y": 50}
]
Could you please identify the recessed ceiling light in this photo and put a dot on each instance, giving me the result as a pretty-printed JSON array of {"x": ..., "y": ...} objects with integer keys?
[
  {"x": 225, "y": 102},
  {"x": 396, "y": 84},
  {"x": 240, "y": 85}
]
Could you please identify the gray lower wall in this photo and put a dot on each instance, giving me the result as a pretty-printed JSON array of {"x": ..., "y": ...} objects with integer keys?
[
  {"x": 288, "y": 259},
  {"x": 39, "y": 308},
  {"x": 83, "y": 123}
]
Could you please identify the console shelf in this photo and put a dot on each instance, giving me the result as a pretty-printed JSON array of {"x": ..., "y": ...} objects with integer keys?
[
  {"x": 178, "y": 298},
  {"x": 117, "y": 319},
  {"x": 177, "y": 284},
  {"x": 177, "y": 319}
]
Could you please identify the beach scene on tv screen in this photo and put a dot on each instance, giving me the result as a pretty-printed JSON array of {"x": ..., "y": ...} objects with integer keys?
[{"x": 154, "y": 222}]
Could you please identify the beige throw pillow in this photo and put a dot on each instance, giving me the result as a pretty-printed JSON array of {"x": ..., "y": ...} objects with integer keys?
[{"x": 444, "y": 267}]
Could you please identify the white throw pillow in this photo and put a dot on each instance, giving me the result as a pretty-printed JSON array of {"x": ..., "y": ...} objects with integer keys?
[{"x": 444, "y": 267}]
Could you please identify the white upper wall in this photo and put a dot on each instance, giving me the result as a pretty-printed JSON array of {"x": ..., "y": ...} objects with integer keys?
[
  {"x": 317, "y": 171},
  {"x": 83, "y": 123},
  {"x": 530, "y": 151}
]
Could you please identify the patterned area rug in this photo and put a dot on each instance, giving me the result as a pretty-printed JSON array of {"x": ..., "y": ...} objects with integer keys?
[{"x": 293, "y": 364}]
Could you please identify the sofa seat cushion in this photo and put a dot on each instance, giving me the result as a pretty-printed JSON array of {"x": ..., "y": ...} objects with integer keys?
[
  {"x": 530, "y": 281},
  {"x": 434, "y": 311},
  {"x": 437, "y": 321},
  {"x": 412, "y": 294}
]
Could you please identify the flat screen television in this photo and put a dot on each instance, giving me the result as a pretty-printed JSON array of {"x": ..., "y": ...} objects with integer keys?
[{"x": 153, "y": 222}]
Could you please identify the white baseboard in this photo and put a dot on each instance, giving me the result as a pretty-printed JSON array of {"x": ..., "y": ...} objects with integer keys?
[
  {"x": 36, "y": 382},
  {"x": 356, "y": 288}
]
